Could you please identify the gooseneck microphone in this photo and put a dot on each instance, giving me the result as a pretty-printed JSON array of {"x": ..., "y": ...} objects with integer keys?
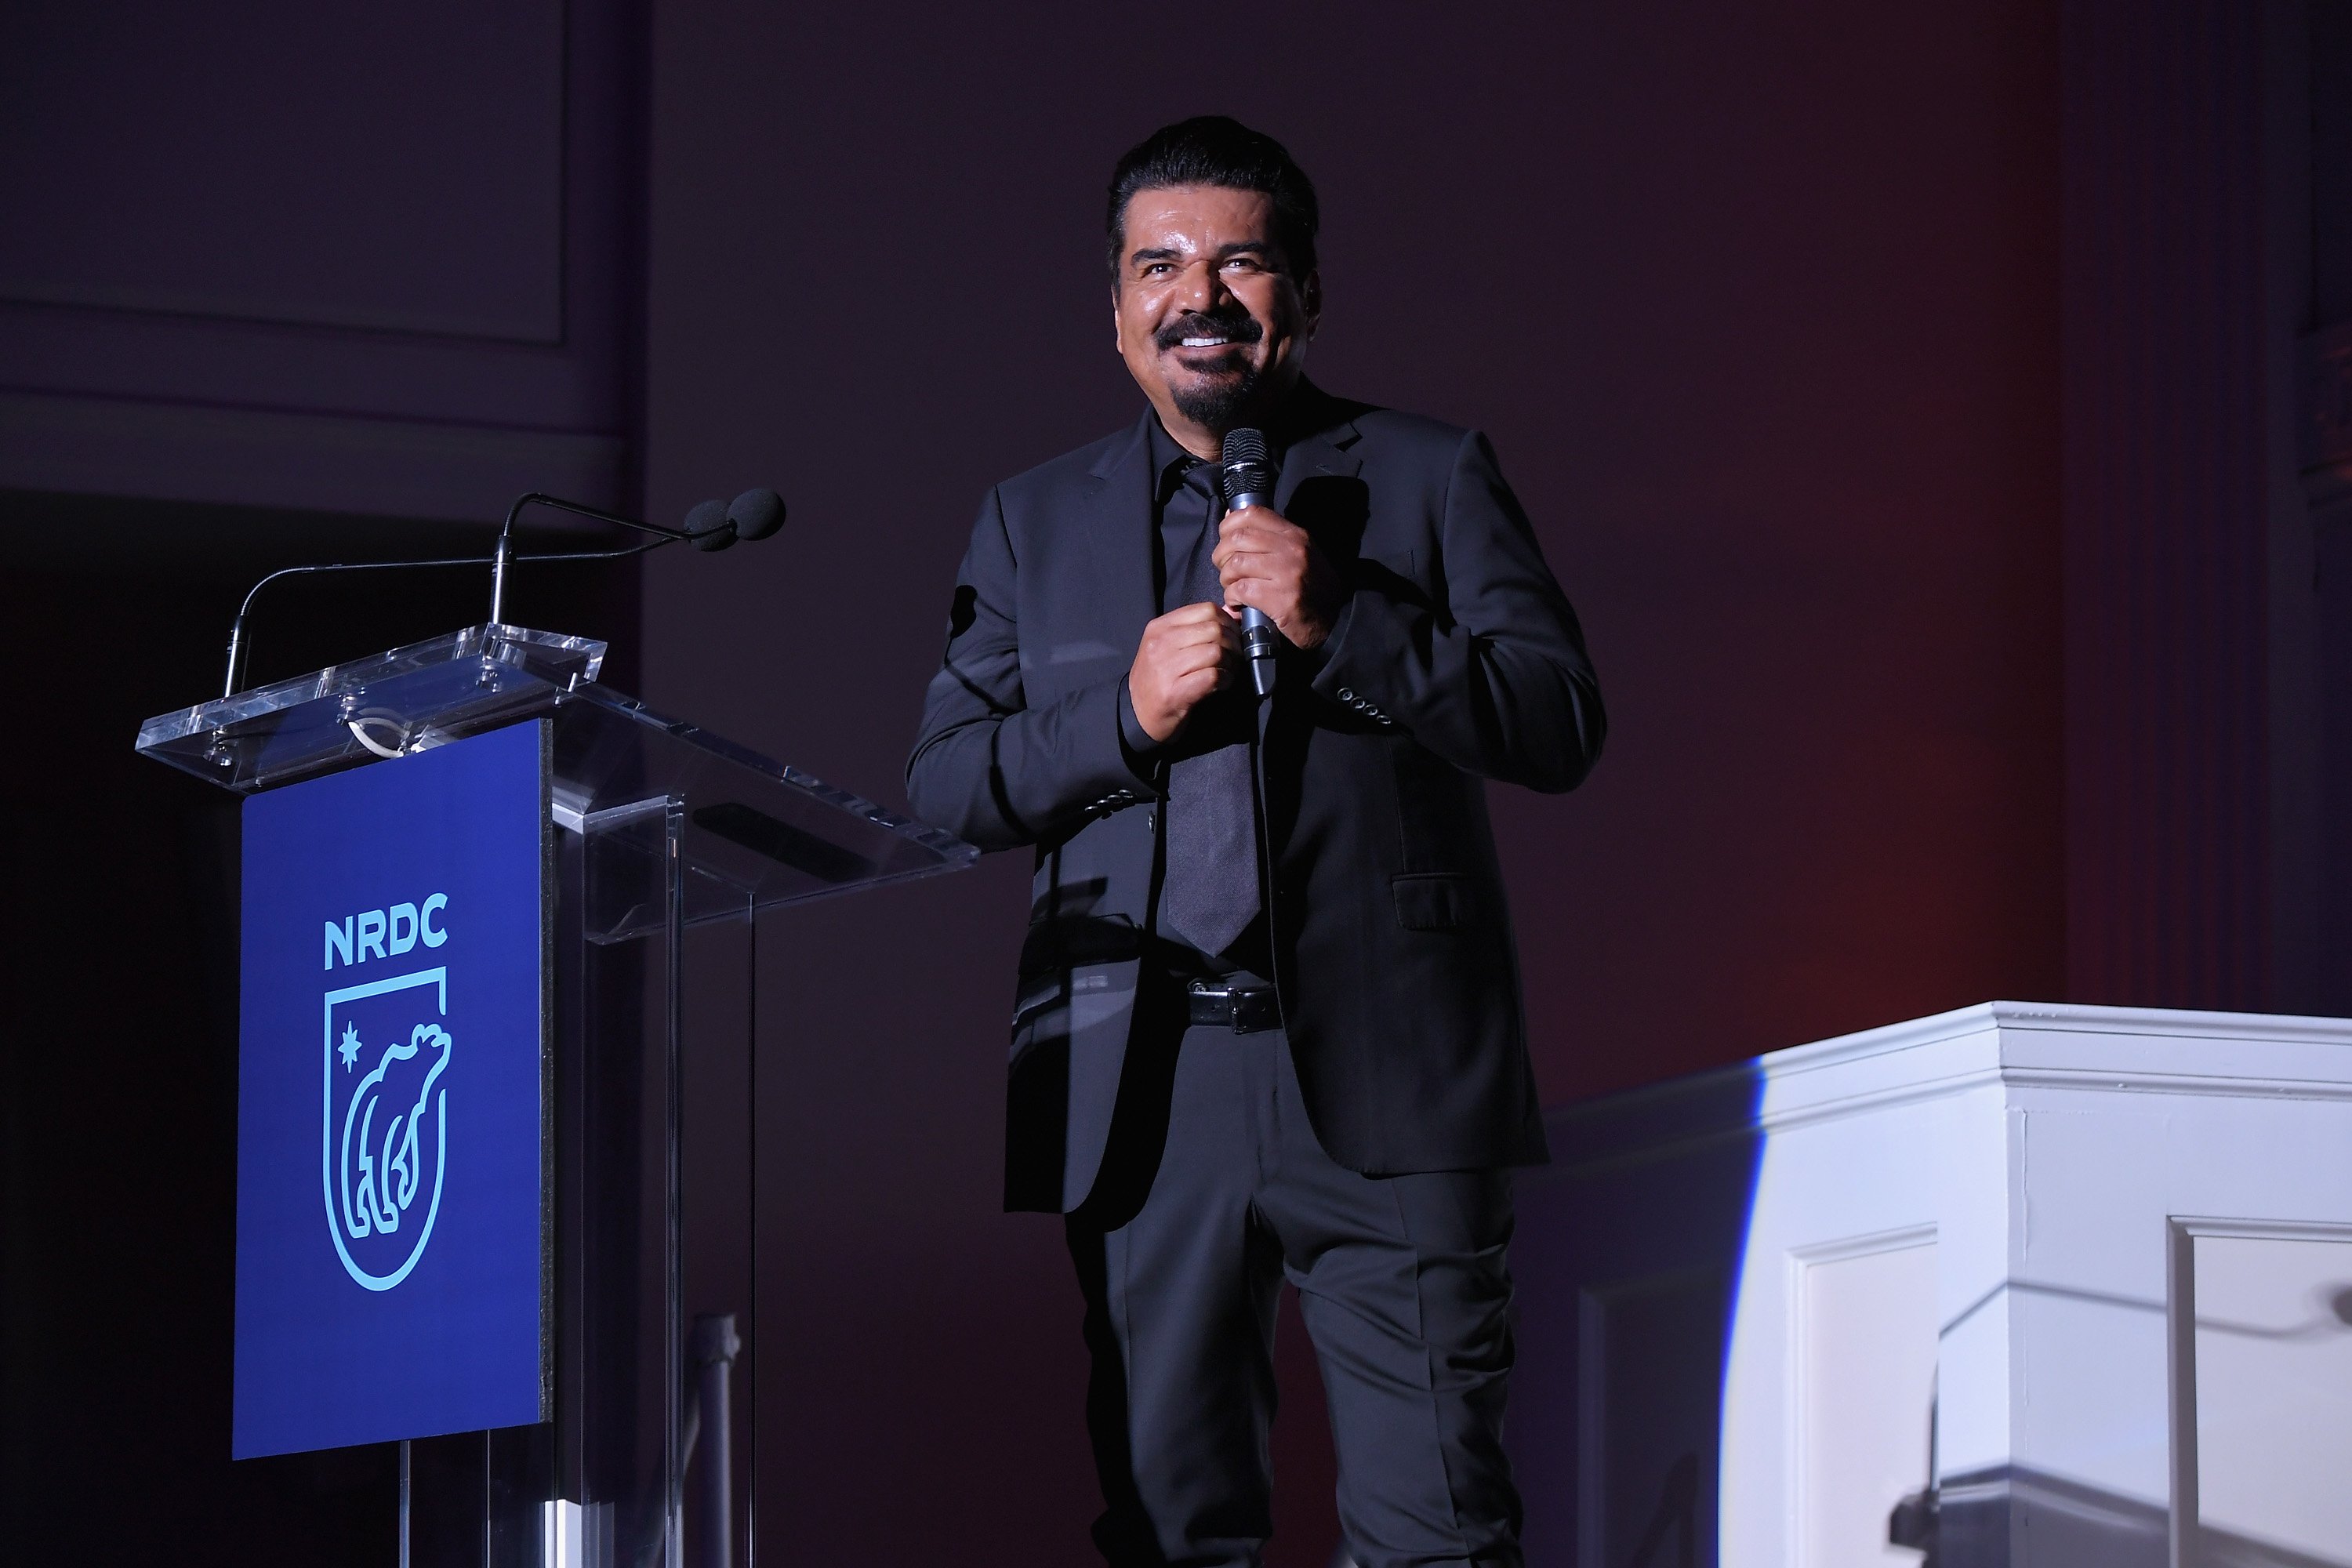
[
  {"x": 1247, "y": 475},
  {"x": 712, "y": 525},
  {"x": 709, "y": 525}
]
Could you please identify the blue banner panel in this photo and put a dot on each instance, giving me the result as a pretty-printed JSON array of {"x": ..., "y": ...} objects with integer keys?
[{"x": 390, "y": 1206}]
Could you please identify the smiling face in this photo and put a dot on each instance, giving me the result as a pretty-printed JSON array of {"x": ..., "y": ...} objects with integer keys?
[{"x": 1211, "y": 323}]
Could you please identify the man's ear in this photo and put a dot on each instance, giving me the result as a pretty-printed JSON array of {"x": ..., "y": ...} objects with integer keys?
[{"x": 1310, "y": 300}]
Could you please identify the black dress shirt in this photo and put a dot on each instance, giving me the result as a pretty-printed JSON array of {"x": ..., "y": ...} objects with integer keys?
[{"x": 1187, "y": 510}]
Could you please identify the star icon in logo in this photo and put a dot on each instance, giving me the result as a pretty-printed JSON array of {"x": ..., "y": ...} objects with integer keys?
[{"x": 351, "y": 1046}]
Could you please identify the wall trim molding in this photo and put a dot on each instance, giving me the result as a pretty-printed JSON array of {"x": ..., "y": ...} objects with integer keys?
[
  {"x": 1785, "y": 1090},
  {"x": 177, "y": 451},
  {"x": 223, "y": 309}
]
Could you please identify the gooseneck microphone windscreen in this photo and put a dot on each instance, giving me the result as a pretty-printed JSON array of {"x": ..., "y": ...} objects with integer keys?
[
  {"x": 1247, "y": 475},
  {"x": 756, "y": 514}
]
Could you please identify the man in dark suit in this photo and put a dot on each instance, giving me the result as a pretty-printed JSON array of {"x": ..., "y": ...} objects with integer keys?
[{"x": 1268, "y": 1020}]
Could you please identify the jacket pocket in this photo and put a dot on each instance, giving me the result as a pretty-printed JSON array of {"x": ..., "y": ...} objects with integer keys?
[
  {"x": 1434, "y": 900},
  {"x": 1037, "y": 995}
]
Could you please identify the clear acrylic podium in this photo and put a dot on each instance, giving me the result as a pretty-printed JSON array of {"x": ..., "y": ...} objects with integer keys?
[{"x": 671, "y": 842}]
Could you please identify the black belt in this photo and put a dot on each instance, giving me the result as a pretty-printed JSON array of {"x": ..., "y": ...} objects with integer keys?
[{"x": 1244, "y": 1009}]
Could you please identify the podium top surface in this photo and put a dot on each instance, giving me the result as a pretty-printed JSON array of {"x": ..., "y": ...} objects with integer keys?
[
  {"x": 755, "y": 831},
  {"x": 327, "y": 719}
]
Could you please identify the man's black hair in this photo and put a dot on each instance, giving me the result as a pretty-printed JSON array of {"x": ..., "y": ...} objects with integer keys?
[{"x": 1212, "y": 150}]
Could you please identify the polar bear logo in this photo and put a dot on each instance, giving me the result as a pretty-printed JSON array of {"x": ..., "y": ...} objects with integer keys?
[{"x": 390, "y": 1134}]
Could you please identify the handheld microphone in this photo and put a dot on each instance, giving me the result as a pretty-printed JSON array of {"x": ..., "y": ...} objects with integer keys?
[
  {"x": 712, "y": 525},
  {"x": 1247, "y": 475}
]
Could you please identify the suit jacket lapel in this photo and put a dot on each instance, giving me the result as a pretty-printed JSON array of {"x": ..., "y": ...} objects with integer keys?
[
  {"x": 1327, "y": 455},
  {"x": 1328, "y": 451},
  {"x": 1319, "y": 489},
  {"x": 1118, "y": 585}
]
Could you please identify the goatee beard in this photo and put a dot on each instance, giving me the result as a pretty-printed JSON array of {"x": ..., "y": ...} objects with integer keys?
[{"x": 1217, "y": 405}]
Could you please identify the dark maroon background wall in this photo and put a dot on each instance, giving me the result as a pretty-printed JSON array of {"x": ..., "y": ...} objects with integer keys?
[
  {"x": 1759, "y": 305},
  {"x": 1761, "y": 314},
  {"x": 1941, "y": 414}
]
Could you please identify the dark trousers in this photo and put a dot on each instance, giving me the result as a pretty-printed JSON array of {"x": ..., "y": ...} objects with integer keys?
[{"x": 1406, "y": 1295}]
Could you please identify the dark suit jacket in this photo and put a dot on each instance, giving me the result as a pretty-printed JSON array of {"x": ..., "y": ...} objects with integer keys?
[{"x": 1456, "y": 659}]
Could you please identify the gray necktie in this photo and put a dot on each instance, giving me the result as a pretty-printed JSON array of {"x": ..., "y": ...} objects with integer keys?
[{"x": 1211, "y": 892}]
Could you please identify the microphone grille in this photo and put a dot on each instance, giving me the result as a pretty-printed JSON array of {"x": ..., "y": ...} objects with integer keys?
[{"x": 1248, "y": 466}]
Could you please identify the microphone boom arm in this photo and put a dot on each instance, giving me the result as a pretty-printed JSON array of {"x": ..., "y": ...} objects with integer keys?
[
  {"x": 754, "y": 515},
  {"x": 244, "y": 612},
  {"x": 505, "y": 555}
]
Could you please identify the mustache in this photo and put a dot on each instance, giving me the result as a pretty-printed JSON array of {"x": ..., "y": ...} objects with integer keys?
[{"x": 1237, "y": 329}]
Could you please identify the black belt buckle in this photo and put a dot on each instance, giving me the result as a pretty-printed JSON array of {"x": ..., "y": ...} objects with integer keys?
[{"x": 1245, "y": 1009}]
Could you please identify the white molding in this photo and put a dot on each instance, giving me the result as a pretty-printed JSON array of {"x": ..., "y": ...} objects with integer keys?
[
  {"x": 2265, "y": 1229},
  {"x": 1798, "y": 1263},
  {"x": 2208, "y": 1086},
  {"x": 1900, "y": 1239},
  {"x": 2061, "y": 1018},
  {"x": 1994, "y": 1043},
  {"x": 2181, "y": 1232}
]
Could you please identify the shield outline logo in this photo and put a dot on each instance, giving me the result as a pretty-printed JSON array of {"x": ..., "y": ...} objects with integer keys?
[{"x": 439, "y": 980}]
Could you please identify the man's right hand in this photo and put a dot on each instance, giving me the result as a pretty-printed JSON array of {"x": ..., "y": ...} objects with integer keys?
[{"x": 1185, "y": 654}]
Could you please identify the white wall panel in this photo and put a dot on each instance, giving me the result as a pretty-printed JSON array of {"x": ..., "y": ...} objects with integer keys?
[
  {"x": 2090, "y": 1373},
  {"x": 2273, "y": 1397},
  {"x": 1865, "y": 1371}
]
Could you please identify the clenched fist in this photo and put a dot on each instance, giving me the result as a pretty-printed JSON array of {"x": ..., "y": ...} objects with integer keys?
[
  {"x": 1269, "y": 561},
  {"x": 1185, "y": 654}
]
